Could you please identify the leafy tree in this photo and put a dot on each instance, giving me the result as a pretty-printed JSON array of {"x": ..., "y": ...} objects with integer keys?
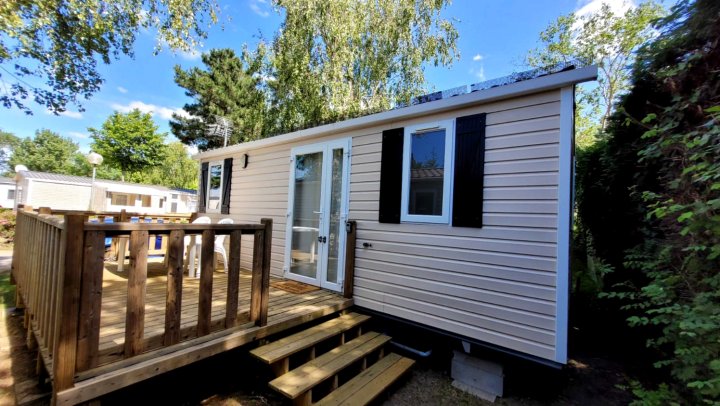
[
  {"x": 8, "y": 143},
  {"x": 659, "y": 172},
  {"x": 46, "y": 152},
  {"x": 129, "y": 142},
  {"x": 228, "y": 87},
  {"x": 603, "y": 38},
  {"x": 50, "y": 49},
  {"x": 338, "y": 59},
  {"x": 330, "y": 60},
  {"x": 81, "y": 167},
  {"x": 178, "y": 170}
]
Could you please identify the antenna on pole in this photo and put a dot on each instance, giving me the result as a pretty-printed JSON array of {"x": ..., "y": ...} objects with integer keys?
[{"x": 221, "y": 127}]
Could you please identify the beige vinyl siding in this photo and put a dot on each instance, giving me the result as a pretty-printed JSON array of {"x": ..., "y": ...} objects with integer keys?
[
  {"x": 494, "y": 284},
  {"x": 59, "y": 196}
]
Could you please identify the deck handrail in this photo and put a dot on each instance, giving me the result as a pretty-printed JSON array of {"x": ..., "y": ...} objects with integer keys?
[{"x": 58, "y": 265}]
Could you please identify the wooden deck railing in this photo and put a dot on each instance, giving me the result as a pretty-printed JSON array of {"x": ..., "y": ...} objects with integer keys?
[{"x": 58, "y": 265}]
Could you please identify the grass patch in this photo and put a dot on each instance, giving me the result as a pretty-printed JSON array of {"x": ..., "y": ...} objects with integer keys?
[{"x": 7, "y": 292}]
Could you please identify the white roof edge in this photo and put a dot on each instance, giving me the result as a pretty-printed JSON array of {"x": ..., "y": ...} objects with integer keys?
[{"x": 543, "y": 83}]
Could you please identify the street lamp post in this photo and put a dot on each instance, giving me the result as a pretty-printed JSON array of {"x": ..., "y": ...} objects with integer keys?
[{"x": 94, "y": 159}]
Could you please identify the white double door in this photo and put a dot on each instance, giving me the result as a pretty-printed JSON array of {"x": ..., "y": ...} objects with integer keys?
[{"x": 318, "y": 199}]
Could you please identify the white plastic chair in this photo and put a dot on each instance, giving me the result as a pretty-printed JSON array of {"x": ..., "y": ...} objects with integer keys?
[
  {"x": 196, "y": 249},
  {"x": 220, "y": 244},
  {"x": 191, "y": 247}
]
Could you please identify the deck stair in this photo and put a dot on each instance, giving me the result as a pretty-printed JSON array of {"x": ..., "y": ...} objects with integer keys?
[{"x": 363, "y": 356}]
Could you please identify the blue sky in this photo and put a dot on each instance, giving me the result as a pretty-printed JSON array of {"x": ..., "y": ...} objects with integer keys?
[{"x": 494, "y": 35}]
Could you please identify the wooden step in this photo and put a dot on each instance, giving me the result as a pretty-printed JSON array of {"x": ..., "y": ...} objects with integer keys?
[
  {"x": 298, "y": 383},
  {"x": 278, "y": 352},
  {"x": 370, "y": 383}
]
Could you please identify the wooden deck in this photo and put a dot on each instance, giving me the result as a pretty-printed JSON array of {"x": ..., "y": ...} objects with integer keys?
[
  {"x": 283, "y": 305},
  {"x": 98, "y": 329},
  {"x": 286, "y": 310}
]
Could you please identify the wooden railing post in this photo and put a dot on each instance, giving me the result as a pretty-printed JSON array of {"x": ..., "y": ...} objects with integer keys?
[
  {"x": 68, "y": 318},
  {"x": 266, "y": 270},
  {"x": 260, "y": 291},
  {"x": 137, "y": 279},
  {"x": 350, "y": 259},
  {"x": 207, "y": 268},
  {"x": 173, "y": 302},
  {"x": 233, "y": 281},
  {"x": 90, "y": 300},
  {"x": 256, "y": 282}
]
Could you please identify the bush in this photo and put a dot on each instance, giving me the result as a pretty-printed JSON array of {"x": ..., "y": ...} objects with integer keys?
[
  {"x": 660, "y": 171},
  {"x": 7, "y": 226}
]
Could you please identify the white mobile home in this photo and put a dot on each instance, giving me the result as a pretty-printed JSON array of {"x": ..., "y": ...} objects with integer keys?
[
  {"x": 7, "y": 193},
  {"x": 67, "y": 192},
  {"x": 462, "y": 203}
]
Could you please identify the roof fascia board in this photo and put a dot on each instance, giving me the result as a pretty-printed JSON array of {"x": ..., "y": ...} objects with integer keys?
[
  {"x": 59, "y": 182},
  {"x": 540, "y": 84}
]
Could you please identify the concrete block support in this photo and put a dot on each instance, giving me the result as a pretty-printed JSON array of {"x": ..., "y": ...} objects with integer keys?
[{"x": 482, "y": 378}]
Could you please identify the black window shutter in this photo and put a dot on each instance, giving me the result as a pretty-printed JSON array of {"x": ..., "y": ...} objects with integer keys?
[
  {"x": 204, "y": 167},
  {"x": 391, "y": 175},
  {"x": 227, "y": 181},
  {"x": 469, "y": 171}
]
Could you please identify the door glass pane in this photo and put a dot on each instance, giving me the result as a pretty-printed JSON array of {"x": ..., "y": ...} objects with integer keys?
[
  {"x": 427, "y": 173},
  {"x": 214, "y": 188},
  {"x": 306, "y": 214},
  {"x": 336, "y": 225}
]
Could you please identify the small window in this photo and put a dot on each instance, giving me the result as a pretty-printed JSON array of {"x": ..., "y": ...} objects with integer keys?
[
  {"x": 119, "y": 199},
  {"x": 214, "y": 192},
  {"x": 146, "y": 201},
  {"x": 427, "y": 172},
  {"x": 161, "y": 202},
  {"x": 11, "y": 194},
  {"x": 174, "y": 196}
]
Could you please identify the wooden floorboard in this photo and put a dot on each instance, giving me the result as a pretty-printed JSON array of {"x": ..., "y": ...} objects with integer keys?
[{"x": 283, "y": 305}]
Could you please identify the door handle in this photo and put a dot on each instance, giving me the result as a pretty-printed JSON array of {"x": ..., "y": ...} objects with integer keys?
[{"x": 322, "y": 239}]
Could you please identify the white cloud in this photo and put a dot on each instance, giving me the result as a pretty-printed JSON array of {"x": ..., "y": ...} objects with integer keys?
[
  {"x": 122, "y": 89},
  {"x": 76, "y": 134},
  {"x": 254, "y": 6},
  {"x": 160, "y": 111},
  {"x": 72, "y": 114},
  {"x": 67, "y": 113},
  {"x": 589, "y": 7},
  {"x": 190, "y": 55},
  {"x": 477, "y": 57}
]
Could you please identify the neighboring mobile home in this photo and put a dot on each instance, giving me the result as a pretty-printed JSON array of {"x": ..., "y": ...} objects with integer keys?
[
  {"x": 7, "y": 193},
  {"x": 67, "y": 192},
  {"x": 463, "y": 208}
]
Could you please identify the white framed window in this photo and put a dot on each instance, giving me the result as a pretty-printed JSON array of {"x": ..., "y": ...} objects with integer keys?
[
  {"x": 213, "y": 194},
  {"x": 428, "y": 156}
]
